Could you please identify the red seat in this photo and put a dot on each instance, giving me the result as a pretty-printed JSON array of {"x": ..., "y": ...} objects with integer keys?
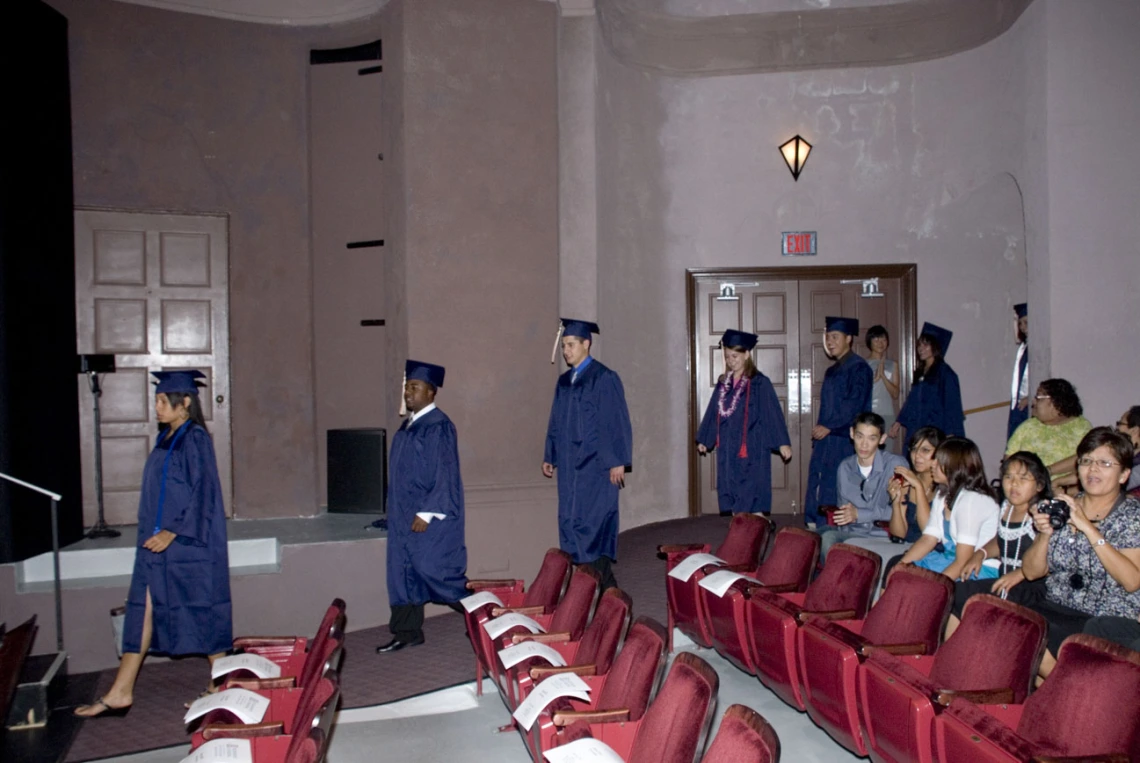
[
  {"x": 672, "y": 730},
  {"x": 626, "y": 687},
  {"x": 285, "y": 694},
  {"x": 1087, "y": 709},
  {"x": 289, "y": 651},
  {"x": 907, "y": 619},
  {"x": 300, "y": 667},
  {"x": 993, "y": 657},
  {"x": 788, "y": 569},
  {"x": 597, "y": 647},
  {"x": 758, "y": 633},
  {"x": 546, "y": 590},
  {"x": 747, "y": 536},
  {"x": 744, "y": 736}
]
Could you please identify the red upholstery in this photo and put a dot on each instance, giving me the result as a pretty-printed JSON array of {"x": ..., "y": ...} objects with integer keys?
[
  {"x": 289, "y": 651},
  {"x": 912, "y": 610},
  {"x": 795, "y": 553},
  {"x": 744, "y": 736},
  {"x": 772, "y": 620},
  {"x": 747, "y": 536},
  {"x": 998, "y": 646},
  {"x": 1088, "y": 706}
]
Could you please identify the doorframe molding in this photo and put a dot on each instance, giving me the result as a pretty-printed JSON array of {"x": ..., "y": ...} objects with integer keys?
[{"x": 907, "y": 273}]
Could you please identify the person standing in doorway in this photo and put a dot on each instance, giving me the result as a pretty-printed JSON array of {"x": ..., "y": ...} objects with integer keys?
[
  {"x": 744, "y": 424},
  {"x": 935, "y": 399},
  {"x": 1019, "y": 387},
  {"x": 427, "y": 551},
  {"x": 846, "y": 392},
  {"x": 885, "y": 390},
  {"x": 589, "y": 440}
]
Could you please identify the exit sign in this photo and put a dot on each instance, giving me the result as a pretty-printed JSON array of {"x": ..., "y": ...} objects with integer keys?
[{"x": 799, "y": 243}]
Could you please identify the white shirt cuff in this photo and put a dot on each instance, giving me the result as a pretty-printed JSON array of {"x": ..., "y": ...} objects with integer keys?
[{"x": 428, "y": 516}]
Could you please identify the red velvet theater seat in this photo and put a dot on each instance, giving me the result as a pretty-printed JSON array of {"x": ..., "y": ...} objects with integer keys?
[
  {"x": 763, "y": 642},
  {"x": 787, "y": 569},
  {"x": 743, "y": 737},
  {"x": 992, "y": 657},
  {"x": 907, "y": 619},
  {"x": 290, "y": 651},
  {"x": 1087, "y": 709},
  {"x": 747, "y": 537}
]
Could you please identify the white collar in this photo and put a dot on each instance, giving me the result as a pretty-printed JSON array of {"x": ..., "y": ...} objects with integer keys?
[{"x": 413, "y": 417}]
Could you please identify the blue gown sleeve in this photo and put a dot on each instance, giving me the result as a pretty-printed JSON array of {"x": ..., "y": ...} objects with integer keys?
[
  {"x": 190, "y": 521},
  {"x": 840, "y": 416},
  {"x": 773, "y": 428},
  {"x": 951, "y": 398},
  {"x": 440, "y": 478},
  {"x": 550, "y": 453},
  {"x": 615, "y": 440},
  {"x": 706, "y": 433}
]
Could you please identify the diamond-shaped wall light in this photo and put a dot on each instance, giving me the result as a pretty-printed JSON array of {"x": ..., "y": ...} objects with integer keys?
[{"x": 795, "y": 153}]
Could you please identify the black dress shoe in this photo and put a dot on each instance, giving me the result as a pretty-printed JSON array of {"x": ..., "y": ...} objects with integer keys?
[{"x": 396, "y": 645}]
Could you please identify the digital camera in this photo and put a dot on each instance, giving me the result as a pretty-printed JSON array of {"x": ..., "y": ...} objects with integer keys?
[{"x": 1057, "y": 510}]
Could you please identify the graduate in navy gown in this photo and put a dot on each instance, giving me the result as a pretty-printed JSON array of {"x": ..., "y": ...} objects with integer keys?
[
  {"x": 1019, "y": 387},
  {"x": 589, "y": 440},
  {"x": 179, "y": 599},
  {"x": 935, "y": 399},
  {"x": 744, "y": 424},
  {"x": 427, "y": 551},
  {"x": 846, "y": 392}
]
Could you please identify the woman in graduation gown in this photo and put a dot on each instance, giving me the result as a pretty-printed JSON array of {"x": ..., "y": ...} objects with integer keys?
[
  {"x": 179, "y": 599},
  {"x": 744, "y": 423},
  {"x": 935, "y": 399}
]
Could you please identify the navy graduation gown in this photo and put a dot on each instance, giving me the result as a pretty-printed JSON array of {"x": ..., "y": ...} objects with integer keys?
[
  {"x": 189, "y": 582},
  {"x": 846, "y": 392},
  {"x": 744, "y": 483},
  {"x": 588, "y": 434},
  {"x": 423, "y": 476},
  {"x": 936, "y": 401}
]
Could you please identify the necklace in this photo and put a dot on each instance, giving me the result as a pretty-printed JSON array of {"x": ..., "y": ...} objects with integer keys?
[
  {"x": 737, "y": 390},
  {"x": 1010, "y": 562}
]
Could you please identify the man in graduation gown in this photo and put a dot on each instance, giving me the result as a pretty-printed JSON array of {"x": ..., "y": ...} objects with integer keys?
[
  {"x": 427, "y": 553},
  {"x": 589, "y": 441},
  {"x": 846, "y": 392},
  {"x": 1019, "y": 399}
]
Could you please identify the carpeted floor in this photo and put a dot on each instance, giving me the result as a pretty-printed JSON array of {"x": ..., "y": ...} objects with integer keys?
[{"x": 367, "y": 678}]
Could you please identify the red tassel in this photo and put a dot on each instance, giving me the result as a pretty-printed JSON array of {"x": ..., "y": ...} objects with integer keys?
[{"x": 744, "y": 425}]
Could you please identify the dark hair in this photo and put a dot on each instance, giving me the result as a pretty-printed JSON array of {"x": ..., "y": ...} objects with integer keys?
[
  {"x": 1037, "y": 470},
  {"x": 932, "y": 435},
  {"x": 875, "y": 332},
  {"x": 962, "y": 464},
  {"x": 1064, "y": 396},
  {"x": 193, "y": 408},
  {"x": 1120, "y": 445},
  {"x": 920, "y": 370},
  {"x": 1132, "y": 418},
  {"x": 872, "y": 418}
]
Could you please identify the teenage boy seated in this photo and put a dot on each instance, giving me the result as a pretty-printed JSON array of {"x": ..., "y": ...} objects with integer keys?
[{"x": 862, "y": 481}]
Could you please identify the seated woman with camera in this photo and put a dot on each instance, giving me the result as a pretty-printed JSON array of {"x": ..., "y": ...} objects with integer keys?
[{"x": 1087, "y": 548}]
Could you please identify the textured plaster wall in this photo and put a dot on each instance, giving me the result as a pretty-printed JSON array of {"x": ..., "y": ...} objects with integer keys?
[{"x": 912, "y": 163}]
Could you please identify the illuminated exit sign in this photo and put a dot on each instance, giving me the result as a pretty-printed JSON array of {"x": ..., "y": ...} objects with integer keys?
[{"x": 799, "y": 243}]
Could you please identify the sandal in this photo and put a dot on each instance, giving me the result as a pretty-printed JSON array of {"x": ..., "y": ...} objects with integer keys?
[{"x": 106, "y": 712}]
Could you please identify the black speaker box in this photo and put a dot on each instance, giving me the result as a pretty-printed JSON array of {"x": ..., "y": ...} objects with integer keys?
[{"x": 357, "y": 470}]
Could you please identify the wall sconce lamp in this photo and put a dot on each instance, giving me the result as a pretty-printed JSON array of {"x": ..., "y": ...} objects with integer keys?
[{"x": 795, "y": 153}]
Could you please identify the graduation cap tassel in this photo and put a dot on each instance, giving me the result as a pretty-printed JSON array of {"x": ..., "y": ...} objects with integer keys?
[
  {"x": 557, "y": 341},
  {"x": 743, "y": 453},
  {"x": 403, "y": 402}
]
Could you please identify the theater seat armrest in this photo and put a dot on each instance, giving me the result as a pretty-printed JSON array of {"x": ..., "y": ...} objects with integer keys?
[
  {"x": 499, "y": 611},
  {"x": 245, "y": 642},
  {"x": 1112, "y": 758},
  {"x": 782, "y": 588},
  {"x": 1002, "y": 696},
  {"x": 566, "y": 717},
  {"x": 831, "y": 614},
  {"x": 475, "y": 585},
  {"x": 540, "y": 672},
  {"x": 241, "y": 731},
  {"x": 900, "y": 649},
  {"x": 558, "y": 637},
  {"x": 680, "y": 548},
  {"x": 263, "y": 684},
  {"x": 745, "y": 568}
]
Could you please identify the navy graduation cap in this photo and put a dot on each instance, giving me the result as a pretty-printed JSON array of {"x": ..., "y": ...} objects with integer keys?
[
  {"x": 425, "y": 372},
  {"x": 839, "y": 323},
  {"x": 580, "y": 329},
  {"x": 734, "y": 338},
  {"x": 177, "y": 381},
  {"x": 938, "y": 334},
  {"x": 1022, "y": 309}
]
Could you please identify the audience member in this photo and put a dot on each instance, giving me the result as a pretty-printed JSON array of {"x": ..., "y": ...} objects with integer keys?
[
  {"x": 1090, "y": 559},
  {"x": 743, "y": 432},
  {"x": 1055, "y": 429},
  {"x": 912, "y": 489},
  {"x": 862, "y": 484},
  {"x": 885, "y": 379},
  {"x": 935, "y": 399},
  {"x": 1129, "y": 426},
  {"x": 1019, "y": 386}
]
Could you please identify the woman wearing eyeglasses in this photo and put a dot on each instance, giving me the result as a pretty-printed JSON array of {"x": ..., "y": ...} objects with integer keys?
[
  {"x": 1054, "y": 430},
  {"x": 1090, "y": 559}
]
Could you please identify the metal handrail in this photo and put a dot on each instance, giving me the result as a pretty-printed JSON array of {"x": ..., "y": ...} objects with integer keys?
[{"x": 55, "y": 499}]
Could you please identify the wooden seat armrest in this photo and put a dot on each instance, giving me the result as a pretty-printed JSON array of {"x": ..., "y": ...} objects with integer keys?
[
  {"x": 242, "y": 730},
  {"x": 245, "y": 642},
  {"x": 678, "y": 548},
  {"x": 1002, "y": 696},
  {"x": 475, "y": 585},
  {"x": 558, "y": 637},
  {"x": 830, "y": 614},
  {"x": 264, "y": 684},
  {"x": 1109, "y": 758},
  {"x": 899, "y": 649},
  {"x": 540, "y": 672},
  {"x": 566, "y": 717},
  {"x": 537, "y": 610},
  {"x": 782, "y": 588}
]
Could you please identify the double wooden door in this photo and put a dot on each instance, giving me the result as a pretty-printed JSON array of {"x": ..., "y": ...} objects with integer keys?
[{"x": 785, "y": 308}]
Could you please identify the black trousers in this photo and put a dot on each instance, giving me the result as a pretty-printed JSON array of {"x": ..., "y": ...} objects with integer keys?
[
  {"x": 604, "y": 566},
  {"x": 407, "y": 621},
  {"x": 1121, "y": 630}
]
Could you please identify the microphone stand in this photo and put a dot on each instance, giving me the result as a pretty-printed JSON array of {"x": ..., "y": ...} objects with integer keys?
[{"x": 101, "y": 528}]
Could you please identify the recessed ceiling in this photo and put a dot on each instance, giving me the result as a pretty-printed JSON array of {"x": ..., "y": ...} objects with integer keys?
[{"x": 283, "y": 12}]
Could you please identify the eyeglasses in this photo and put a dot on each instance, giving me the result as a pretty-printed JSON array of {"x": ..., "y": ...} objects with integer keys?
[
  {"x": 1088, "y": 463},
  {"x": 1042, "y": 397}
]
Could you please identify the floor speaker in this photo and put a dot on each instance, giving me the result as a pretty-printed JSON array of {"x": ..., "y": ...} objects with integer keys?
[{"x": 357, "y": 470}]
